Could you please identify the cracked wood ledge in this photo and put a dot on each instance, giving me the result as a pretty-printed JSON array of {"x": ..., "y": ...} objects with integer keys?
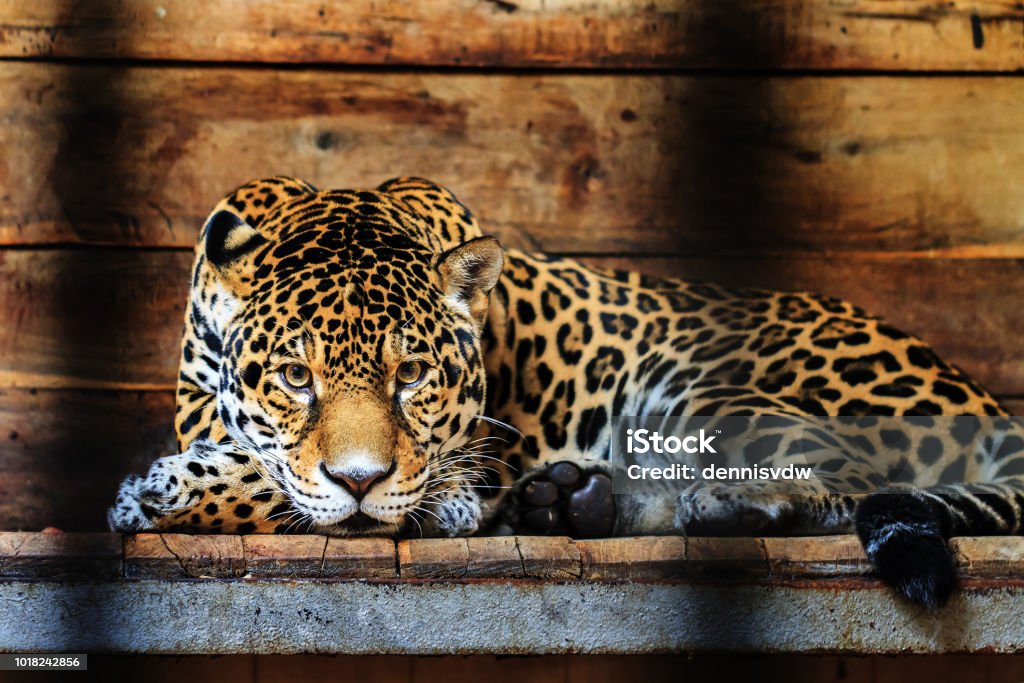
[{"x": 553, "y": 559}]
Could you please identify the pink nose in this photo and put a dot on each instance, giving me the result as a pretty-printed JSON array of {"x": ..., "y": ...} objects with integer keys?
[{"x": 355, "y": 481}]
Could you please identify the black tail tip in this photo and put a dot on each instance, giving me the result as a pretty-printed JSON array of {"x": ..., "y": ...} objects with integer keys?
[{"x": 901, "y": 534}]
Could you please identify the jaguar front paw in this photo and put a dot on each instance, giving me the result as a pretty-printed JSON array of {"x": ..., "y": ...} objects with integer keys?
[
  {"x": 143, "y": 501},
  {"x": 457, "y": 514}
]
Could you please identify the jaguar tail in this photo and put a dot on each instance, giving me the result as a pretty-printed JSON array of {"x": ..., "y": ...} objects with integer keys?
[{"x": 905, "y": 531}]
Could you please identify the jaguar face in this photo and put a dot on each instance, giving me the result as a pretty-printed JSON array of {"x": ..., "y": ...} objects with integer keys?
[{"x": 352, "y": 366}]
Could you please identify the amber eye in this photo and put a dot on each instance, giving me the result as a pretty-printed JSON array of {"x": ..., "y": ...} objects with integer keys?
[
  {"x": 409, "y": 373},
  {"x": 297, "y": 376}
]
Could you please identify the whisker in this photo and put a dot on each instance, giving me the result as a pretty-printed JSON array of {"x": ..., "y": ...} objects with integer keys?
[{"x": 499, "y": 423}]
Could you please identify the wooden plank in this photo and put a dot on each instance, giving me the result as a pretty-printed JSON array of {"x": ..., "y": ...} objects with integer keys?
[
  {"x": 96, "y": 555},
  {"x": 1014, "y": 405},
  {"x": 802, "y": 34},
  {"x": 115, "y": 331},
  {"x": 360, "y": 558},
  {"x": 725, "y": 558},
  {"x": 60, "y": 556},
  {"x": 518, "y": 557},
  {"x": 635, "y": 559},
  {"x": 127, "y": 336},
  {"x": 319, "y": 557},
  {"x": 599, "y": 163},
  {"x": 63, "y": 453},
  {"x": 523, "y": 557},
  {"x": 494, "y": 558},
  {"x": 177, "y": 556},
  {"x": 292, "y": 557},
  {"x": 433, "y": 558},
  {"x": 990, "y": 557},
  {"x": 816, "y": 556},
  {"x": 549, "y": 557}
]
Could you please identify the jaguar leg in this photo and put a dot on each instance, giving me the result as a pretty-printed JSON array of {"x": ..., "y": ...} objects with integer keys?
[{"x": 210, "y": 488}]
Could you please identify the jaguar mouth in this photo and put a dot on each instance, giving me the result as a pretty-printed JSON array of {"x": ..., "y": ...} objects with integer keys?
[{"x": 360, "y": 524}]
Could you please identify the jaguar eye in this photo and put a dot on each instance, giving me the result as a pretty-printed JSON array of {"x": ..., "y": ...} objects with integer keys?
[
  {"x": 297, "y": 376},
  {"x": 410, "y": 372}
]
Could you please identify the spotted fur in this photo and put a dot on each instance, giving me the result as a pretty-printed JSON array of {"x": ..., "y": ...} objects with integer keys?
[{"x": 354, "y": 285}]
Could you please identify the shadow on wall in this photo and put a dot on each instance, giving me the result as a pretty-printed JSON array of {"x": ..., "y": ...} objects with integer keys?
[
  {"x": 724, "y": 170},
  {"x": 98, "y": 435}
]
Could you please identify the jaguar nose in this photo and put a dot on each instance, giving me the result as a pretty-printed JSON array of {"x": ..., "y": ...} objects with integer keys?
[{"x": 357, "y": 480}]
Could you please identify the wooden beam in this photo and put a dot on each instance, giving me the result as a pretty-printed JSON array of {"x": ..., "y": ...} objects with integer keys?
[
  {"x": 884, "y": 167},
  {"x": 60, "y": 556},
  {"x": 632, "y": 558},
  {"x": 533, "y": 558},
  {"x": 815, "y": 556},
  {"x": 783, "y": 34},
  {"x": 989, "y": 556},
  {"x": 180, "y": 556},
  {"x": 299, "y": 557}
]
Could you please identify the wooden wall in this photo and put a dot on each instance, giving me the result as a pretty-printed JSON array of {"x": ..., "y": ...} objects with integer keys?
[{"x": 872, "y": 149}]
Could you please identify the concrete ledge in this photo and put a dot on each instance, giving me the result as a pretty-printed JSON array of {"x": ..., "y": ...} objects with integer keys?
[
  {"x": 499, "y": 617},
  {"x": 511, "y": 595}
]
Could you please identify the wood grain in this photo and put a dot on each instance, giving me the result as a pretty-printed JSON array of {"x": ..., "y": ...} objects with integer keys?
[
  {"x": 60, "y": 556},
  {"x": 517, "y": 557},
  {"x": 433, "y": 558},
  {"x": 360, "y": 558},
  {"x": 179, "y": 556},
  {"x": 95, "y": 319},
  {"x": 635, "y": 559},
  {"x": 725, "y": 558},
  {"x": 989, "y": 557},
  {"x": 548, "y": 557},
  {"x": 816, "y": 556},
  {"x": 319, "y": 557},
  {"x": 493, "y": 558},
  {"x": 597, "y": 164},
  {"x": 63, "y": 453},
  {"x": 112, "y": 318},
  {"x": 801, "y": 34},
  {"x": 293, "y": 557}
]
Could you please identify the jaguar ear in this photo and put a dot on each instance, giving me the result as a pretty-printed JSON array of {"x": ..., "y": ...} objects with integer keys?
[
  {"x": 450, "y": 221},
  {"x": 228, "y": 240},
  {"x": 470, "y": 272}
]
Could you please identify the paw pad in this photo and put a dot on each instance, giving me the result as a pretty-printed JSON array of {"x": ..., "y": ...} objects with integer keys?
[{"x": 561, "y": 499}]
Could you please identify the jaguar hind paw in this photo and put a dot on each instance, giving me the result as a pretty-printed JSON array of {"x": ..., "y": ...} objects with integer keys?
[
  {"x": 561, "y": 498},
  {"x": 731, "y": 510}
]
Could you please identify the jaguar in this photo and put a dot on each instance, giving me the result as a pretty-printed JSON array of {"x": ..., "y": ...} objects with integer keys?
[{"x": 361, "y": 362}]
